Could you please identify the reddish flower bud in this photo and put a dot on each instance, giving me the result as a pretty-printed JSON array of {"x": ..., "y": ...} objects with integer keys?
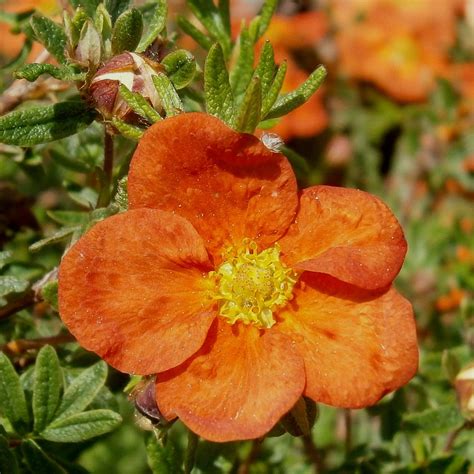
[{"x": 464, "y": 384}]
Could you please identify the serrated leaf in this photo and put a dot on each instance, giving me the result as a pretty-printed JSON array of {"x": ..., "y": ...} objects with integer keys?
[
  {"x": 201, "y": 39},
  {"x": 89, "y": 47},
  {"x": 12, "y": 284},
  {"x": 218, "y": 93},
  {"x": 155, "y": 21},
  {"x": 8, "y": 462},
  {"x": 47, "y": 387},
  {"x": 82, "y": 426},
  {"x": 248, "y": 115},
  {"x": 37, "y": 125},
  {"x": 58, "y": 236},
  {"x": 169, "y": 97},
  {"x": 180, "y": 67},
  {"x": 139, "y": 104},
  {"x": 299, "y": 96},
  {"x": 12, "y": 398},
  {"x": 272, "y": 95},
  {"x": 38, "y": 461},
  {"x": 241, "y": 74},
  {"x": 266, "y": 69},
  {"x": 127, "y": 31},
  {"x": 51, "y": 35},
  {"x": 435, "y": 421},
  {"x": 163, "y": 458},
  {"x": 210, "y": 16},
  {"x": 127, "y": 130},
  {"x": 82, "y": 391},
  {"x": 266, "y": 15},
  {"x": 31, "y": 72}
]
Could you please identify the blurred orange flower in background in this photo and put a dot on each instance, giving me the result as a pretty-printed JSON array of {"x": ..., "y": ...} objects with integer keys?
[{"x": 241, "y": 294}]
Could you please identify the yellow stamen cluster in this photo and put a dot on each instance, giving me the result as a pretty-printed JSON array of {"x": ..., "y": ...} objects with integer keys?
[{"x": 250, "y": 285}]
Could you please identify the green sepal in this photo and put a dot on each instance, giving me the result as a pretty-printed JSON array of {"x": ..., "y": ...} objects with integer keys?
[
  {"x": 197, "y": 35},
  {"x": 241, "y": 74},
  {"x": 38, "y": 461},
  {"x": 127, "y": 31},
  {"x": 51, "y": 35},
  {"x": 36, "y": 125},
  {"x": 299, "y": 96},
  {"x": 248, "y": 115},
  {"x": 266, "y": 68},
  {"x": 163, "y": 458},
  {"x": 31, "y": 72},
  {"x": 169, "y": 97},
  {"x": 12, "y": 398},
  {"x": 8, "y": 462},
  {"x": 82, "y": 426},
  {"x": 47, "y": 387},
  {"x": 180, "y": 67},
  {"x": 55, "y": 238},
  {"x": 139, "y": 104},
  {"x": 128, "y": 131},
  {"x": 218, "y": 93},
  {"x": 272, "y": 95},
  {"x": 154, "y": 16},
  {"x": 82, "y": 391}
]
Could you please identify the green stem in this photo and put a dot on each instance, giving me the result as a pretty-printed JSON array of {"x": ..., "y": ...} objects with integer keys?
[
  {"x": 106, "y": 191},
  {"x": 312, "y": 453},
  {"x": 244, "y": 468},
  {"x": 190, "y": 455},
  {"x": 348, "y": 434}
]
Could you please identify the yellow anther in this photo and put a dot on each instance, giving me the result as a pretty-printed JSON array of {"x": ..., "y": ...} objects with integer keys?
[{"x": 250, "y": 285}]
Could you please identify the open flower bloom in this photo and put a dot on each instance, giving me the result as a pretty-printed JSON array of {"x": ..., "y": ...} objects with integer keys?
[{"x": 239, "y": 293}]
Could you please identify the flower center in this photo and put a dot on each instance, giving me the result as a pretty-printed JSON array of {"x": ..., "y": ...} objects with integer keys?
[{"x": 251, "y": 285}]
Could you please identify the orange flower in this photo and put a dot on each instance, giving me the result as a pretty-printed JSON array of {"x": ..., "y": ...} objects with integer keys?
[{"x": 240, "y": 294}]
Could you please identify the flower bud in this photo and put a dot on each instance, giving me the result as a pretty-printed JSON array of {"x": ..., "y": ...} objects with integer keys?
[
  {"x": 464, "y": 384},
  {"x": 133, "y": 71}
]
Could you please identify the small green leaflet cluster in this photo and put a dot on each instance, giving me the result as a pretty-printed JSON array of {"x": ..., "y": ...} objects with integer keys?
[{"x": 47, "y": 404}]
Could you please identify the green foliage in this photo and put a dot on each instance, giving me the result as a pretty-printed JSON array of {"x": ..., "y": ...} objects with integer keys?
[
  {"x": 435, "y": 420},
  {"x": 31, "y": 72},
  {"x": 51, "y": 35},
  {"x": 139, "y": 104},
  {"x": 155, "y": 19},
  {"x": 180, "y": 67},
  {"x": 163, "y": 458},
  {"x": 127, "y": 31},
  {"x": 170, "y": 100}
]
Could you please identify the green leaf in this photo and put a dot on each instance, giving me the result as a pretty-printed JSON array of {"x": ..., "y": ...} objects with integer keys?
[
  {"x": 299, "y": 96},
  {"x": 266, "y": 69},
  {"x": 450, "y": 364},
  {"x": 197, "y": 35},
  {"x": 163, "y": 458},
  {"x": 68, "y": 218},
  {"x": 210, "y": 16},
  {"x": 139, "y": 104},
  {"x": 82, "y": 391},
  {"x": 241, "y": 74},
  {"x": 44, "y": 124},
  {"x": 435, "y": 421},
  {"x": 49, "y": 293},
  {"x": 38, "y": 461},
  {"x": 128, "y": 131},
  {"x": 90, "y": 6},
  {"x": 12, "y": 398},
  {"x": 249, "y": 114},
  {"x": 51, "y": 35},
  {"x": 12, "y": 284},
  {"x": 47, "y": 387},
  {"x": 272, "y": 95},
  {"x": 8, "y": 462},
  {"x": 219, "y": 98},
  {"x": 82, "y": 426},
  {"x": 180, "y": 67},
  {"x": 31, "y": 72},
  {"x": 58, "y": 236},
  {"x": 169, "y": 97},
  {"x": 116, "y": 8},
  {"x": 127, "y": 31},
  {"x": 224, "y": 10},
  {"x": 266, "y": 14},
  {"x": 155, "y": 22}
]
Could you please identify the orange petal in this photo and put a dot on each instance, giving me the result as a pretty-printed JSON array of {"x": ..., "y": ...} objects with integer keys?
[
  {"x": 236, "y": 387},
  {"x": 132, "y": 290},
  {"x": 227, "y": 184},
  {"x": 346, "y": 233},
  {"x": 357, "y": 345}
]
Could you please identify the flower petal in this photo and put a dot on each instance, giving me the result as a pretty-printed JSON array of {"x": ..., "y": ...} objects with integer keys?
[
  {"x": 348, "y": 234},
  {"x": 357, "y": 345},
  {"x": 132, "y": 291},
  {"x": 236, "y": 387},
  {"x": 227, "y": 184}
]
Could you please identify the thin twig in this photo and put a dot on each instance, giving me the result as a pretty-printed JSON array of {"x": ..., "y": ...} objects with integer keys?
[
  {"x": 244, "y": 468},
  {"x": 312, "y": 453},
  {"x": 348, "y": 430},
  {"x": 452, "y": 438},
  {"x": 24, "y": 301},
  {"x": 22, "y": 345}
]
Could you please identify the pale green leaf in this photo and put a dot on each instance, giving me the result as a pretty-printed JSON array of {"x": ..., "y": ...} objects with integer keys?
[
  {"x": 127, "y": 130},
  {"x": 241, "y": 74},
  {"x": 266, "y": 14},
  {"x": 155, "y": 21},
  {"x": 169, "y": 97},
  {"x": 31, "y": 72},
  {"x": 139, "y": 104},
  {"x": 51, "y": 35},
  {"x": 127, "y": 31},
  {"x": 248, "y": 116},
  {"x": 272, "y": 95},
  {"x": 197, "y": 35},
  {"x": 266, "y": 68}
]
